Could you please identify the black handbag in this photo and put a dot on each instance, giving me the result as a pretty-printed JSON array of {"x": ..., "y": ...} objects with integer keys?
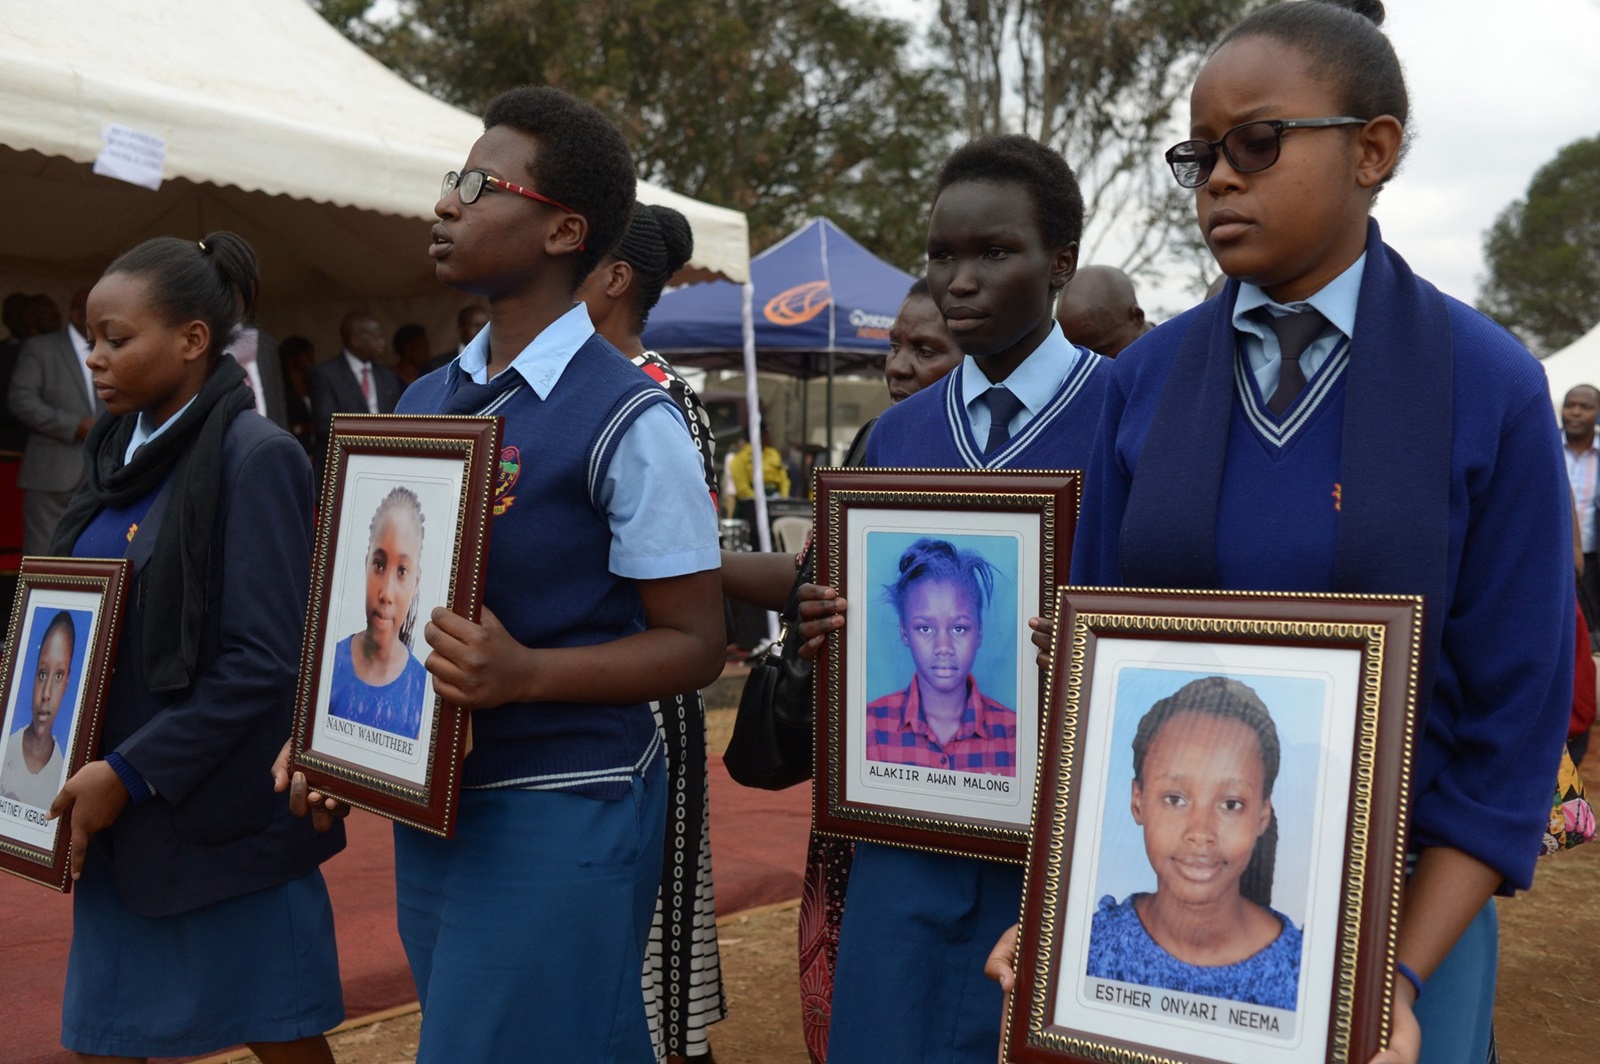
[{"x": 772, "y": 742}]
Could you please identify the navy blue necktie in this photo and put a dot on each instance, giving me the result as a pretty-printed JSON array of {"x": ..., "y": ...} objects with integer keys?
[
  {"x": 1295, "y": 333},
  {"x": 1003, "y": 406},
  {"x": 469, "y": 398}
]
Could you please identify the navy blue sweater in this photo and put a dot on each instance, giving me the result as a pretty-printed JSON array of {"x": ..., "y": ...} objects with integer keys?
[
  {"x": 930, "y": 430},
  {"x": 1492, "y": 726},
  {"x": 548, "y": 578}
]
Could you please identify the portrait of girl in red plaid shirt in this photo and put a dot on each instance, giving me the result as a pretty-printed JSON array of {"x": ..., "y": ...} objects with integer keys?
[{"x": 940, "y": 720}]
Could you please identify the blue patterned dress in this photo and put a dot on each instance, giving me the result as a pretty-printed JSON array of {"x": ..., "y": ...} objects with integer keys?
[
  {"x": 1121, "y": 949},
  {"x": 396, "y": 707}
]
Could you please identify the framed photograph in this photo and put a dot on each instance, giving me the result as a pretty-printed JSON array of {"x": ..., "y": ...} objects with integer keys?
[
  {"x": 929, "y": 708},
  {"x": 403, "y": 529},
  {"x": 57, "y": 662},
  {"x": 1219, "y": 849}
]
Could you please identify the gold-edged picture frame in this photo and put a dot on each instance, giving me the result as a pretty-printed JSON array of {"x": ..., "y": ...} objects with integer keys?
[
  {"x": 399, "y": 492},
  {"x": 888, "y": 681},
  {"x": 60, "y": 649},
  {"x": 1247, "y": 755}
]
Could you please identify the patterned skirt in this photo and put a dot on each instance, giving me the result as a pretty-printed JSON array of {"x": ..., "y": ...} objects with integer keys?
[
  {"x": 682, "y": 970},
  {"x": 821, "y": 910}
]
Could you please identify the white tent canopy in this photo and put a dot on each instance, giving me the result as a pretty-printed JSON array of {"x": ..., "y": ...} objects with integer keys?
[
  {"x": 1577, "y": 363},
  {"x": 274, "y": 125}
]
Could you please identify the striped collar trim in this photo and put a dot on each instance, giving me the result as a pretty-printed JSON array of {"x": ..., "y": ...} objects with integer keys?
[
  {"x": 1280, "y": 433},
  {"x": 501, "y": 399},
  {"x": 567, "y": 781},
  {"x": 615, "y": 428},
  {"x": 961, "y": 428}
]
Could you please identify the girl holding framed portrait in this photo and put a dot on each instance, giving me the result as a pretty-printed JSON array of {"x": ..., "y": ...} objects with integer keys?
[
  {"x": 1332, "y": 422},
  {"x": 189, "y": 870},
  {"x": 1002, "y": 241},
  {"x": 526, "y": 931}
]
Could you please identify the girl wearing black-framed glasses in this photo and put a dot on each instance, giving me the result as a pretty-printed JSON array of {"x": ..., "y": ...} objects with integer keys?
[{"x": 1394, "y": 444}]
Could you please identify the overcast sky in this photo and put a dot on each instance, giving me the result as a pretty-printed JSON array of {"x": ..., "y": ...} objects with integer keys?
[{"x": 1496, "y": 90}]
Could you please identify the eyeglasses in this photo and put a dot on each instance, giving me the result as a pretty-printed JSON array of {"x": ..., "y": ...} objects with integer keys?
[
  {"x": 1249, "y": 148},
  {"x": 471, "y": 184}
]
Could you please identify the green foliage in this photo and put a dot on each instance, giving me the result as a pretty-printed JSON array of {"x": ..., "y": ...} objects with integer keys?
[
  {"x": 1099, "y": 80},
  {"x": 1543, "y": 253},
  {"x": 791, "y": 110},
  {"x": 783, "y": 111}
]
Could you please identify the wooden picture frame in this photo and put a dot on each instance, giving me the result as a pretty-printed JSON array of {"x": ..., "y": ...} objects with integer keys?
[
  {"x": 392, "y": 485},
  {"x": 1311, "y": 699},
  {"x": 882, "y": 773},
  {"x": 60, "y": 649}
]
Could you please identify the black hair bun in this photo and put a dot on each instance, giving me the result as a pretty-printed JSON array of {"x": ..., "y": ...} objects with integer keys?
[
  {"x": 1371, "y": 10},
  {"x": 676, "y": 236}
]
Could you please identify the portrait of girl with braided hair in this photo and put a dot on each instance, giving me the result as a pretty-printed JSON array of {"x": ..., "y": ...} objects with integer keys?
[
  {"x": 377, "y": 679},
  {"x": 1205, "y": 759}
]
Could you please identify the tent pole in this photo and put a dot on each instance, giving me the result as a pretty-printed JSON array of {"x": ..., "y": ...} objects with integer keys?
[
  {"x": 805, "y": 399},
  {"x": 752, "y": 398},
  {"x": 830, "y": 407}
]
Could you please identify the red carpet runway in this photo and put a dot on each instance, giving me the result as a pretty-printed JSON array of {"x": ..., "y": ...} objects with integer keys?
[{"x": 758, "y": 852}]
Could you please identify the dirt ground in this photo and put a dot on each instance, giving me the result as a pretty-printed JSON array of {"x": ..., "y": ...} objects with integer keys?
[{"x": 1547, "y": 1011}]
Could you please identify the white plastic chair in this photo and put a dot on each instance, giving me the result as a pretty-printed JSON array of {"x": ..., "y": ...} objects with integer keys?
[{"x": 791, "y": 533}]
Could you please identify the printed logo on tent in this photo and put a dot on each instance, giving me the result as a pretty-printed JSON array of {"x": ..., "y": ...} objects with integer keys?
[{"x": 799, "y": 304}]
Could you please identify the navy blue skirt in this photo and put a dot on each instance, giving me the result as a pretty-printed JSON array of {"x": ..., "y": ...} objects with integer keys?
[
  {"x": 526, "y": 932},
  {"x": 917, "y": 928},
  {"x": 262, "y": 967}
]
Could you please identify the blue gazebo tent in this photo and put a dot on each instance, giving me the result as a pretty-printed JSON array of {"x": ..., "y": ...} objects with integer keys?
[{"x": 821, "y": 303}]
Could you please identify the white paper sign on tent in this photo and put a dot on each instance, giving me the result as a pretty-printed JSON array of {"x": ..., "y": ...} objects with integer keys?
[{"x": 132, "y": 156}]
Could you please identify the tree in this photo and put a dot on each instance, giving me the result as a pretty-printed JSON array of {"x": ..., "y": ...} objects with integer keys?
[
  {"x": 1543, "y": 253},
  {"x": 780, "y": 110},
  {"x": 1099, "y": 81}
]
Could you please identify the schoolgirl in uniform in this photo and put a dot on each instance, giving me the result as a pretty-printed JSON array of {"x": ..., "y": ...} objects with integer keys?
[
  {"x": 526, "y": 932},
  {"x": 1331, "y": 422},
  {"x": 921, "y": 353},
  {"x": 200, "y": 919},
  {"x": 683, "y": 970},
  {"x": 1002, "y": 241}
]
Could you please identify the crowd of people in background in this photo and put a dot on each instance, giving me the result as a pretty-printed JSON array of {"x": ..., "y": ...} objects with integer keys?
[
  {"x": 299, "y": 391},
  {"x": 1269, "y": 438}
]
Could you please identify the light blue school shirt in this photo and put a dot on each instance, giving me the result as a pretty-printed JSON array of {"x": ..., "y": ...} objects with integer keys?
[
  {"x": 1336, "y": 301},
  {"x": 654, "y": 491},
  {"x": 1035, "y": 382}
]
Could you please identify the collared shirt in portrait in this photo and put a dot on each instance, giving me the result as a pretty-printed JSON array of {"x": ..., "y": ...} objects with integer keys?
[{"x": 985, "y": 741}]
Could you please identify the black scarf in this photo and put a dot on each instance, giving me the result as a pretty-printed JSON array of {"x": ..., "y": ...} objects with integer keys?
[{"x": 175, "y": 577}]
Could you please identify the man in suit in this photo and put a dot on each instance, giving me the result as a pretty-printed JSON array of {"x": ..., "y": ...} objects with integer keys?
[
  {"x": 1579, "y": 410},
  {"x": 256, "y": 351},
  {"x": 52, "y": 395},
  {"x": 352, "y": 382},
  {"x": 19, "y": 323},
  {"x": 469, "y": 320}
]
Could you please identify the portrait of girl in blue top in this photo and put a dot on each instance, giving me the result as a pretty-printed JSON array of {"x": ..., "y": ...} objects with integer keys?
[
  {"x": 940, "y": 719},
  {"x": 1204, "y": 762},
  {"x": 377, "y": 680}
]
